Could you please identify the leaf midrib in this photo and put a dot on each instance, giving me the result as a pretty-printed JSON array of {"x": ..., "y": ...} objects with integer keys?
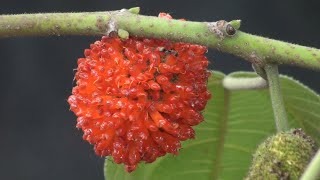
[{"x": 222, "y": 134}]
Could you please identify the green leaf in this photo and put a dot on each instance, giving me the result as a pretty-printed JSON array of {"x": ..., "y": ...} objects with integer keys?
[{"x": 236, "y": 122}]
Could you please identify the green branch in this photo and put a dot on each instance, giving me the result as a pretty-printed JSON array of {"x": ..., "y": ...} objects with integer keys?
[
  {"x": 218, "y": 35},
  {"x": 279, "y": 110}
]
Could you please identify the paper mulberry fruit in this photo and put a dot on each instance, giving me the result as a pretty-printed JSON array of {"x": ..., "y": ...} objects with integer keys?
[{"x": 136, "y": 99}]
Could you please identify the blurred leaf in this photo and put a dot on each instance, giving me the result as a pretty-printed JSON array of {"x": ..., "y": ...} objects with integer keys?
[{"x": 235, "y": 123}]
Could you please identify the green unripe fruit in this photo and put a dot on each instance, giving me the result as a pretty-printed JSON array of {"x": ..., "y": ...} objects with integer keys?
[{"x": 283, "y": 156}]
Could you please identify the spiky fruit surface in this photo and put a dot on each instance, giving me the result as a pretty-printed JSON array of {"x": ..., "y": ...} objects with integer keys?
[
  {"x": 136, "y": 99},
  {"x": 283, "y": 156}
]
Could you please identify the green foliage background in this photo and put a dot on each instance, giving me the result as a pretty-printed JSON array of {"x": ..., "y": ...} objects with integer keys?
[{"x": 236, "y": 122}]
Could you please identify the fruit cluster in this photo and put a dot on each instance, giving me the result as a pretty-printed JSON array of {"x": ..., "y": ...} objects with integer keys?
[{"x": 136, "y": 99}]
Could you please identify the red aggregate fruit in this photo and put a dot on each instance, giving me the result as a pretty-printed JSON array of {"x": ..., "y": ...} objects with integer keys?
[{"x": 136, "y": 99}]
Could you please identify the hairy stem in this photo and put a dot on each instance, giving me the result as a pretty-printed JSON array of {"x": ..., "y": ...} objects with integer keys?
[
  {"x": 279, "y": 110},
  {"x": 313, "y": 169},
  {"x": 258, "y": 50}
]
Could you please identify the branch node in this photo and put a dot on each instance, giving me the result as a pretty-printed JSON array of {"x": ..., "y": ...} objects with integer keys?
[
  {"x": 112, "y": 28},
  {"x": 260, "y": 71},
  {"x": 213, "y": 27},
  {"x": 255, "y": 59},
  {"x": 223, "y": 29}
]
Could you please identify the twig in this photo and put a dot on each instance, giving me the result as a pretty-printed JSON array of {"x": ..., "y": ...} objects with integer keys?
[{"x": 257, "y": 50}]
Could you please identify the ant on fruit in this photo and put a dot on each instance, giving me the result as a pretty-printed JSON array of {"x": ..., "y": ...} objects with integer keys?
[{"x": 168, "y": 51}]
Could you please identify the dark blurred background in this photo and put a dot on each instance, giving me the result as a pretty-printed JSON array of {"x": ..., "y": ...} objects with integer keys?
[{"x": 38, "y": 138}]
